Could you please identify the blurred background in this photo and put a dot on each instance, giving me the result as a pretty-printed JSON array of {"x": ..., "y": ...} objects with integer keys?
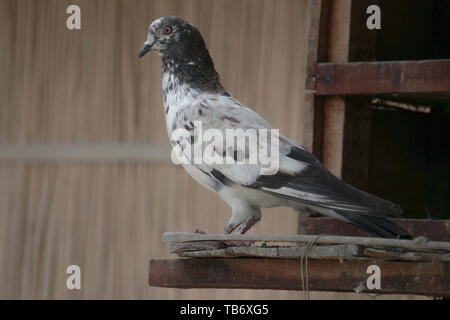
[{"x": 95, "y": 186}]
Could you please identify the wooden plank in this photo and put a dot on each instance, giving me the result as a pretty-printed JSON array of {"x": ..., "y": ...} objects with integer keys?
[
  {"x": 406, "y": 255},
  {"x": 318, "y": 31},
  {"x": 425, "y": 76},
  {"x": 434, "y": 230},
  {"x": 219, "y": 253},
  {"x": 334, "y": 110},
  {"x": 333, "y": 134},
  {"x": 339, "y": 31},
  {"x": 284, "y": 274},
  {"x": 210, "y": 249},
  {"x": 183, "y": 247},
  {"x": 334, "y": 252},
  {"x": 416, "y": 244}
]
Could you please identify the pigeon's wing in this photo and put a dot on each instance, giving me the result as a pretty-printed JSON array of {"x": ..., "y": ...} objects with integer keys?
[
  {"x": 316, "y": 186},
  {"x": 217, "y": 120},
  {"x": 299, "y": 176}
]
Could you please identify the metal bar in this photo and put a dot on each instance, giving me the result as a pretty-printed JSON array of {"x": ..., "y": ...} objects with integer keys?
[
  {"x": 412, "y": 77},
  {"x": 284, "y": 274}
]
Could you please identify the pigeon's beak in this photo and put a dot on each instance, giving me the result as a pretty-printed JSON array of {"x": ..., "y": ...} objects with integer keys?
[{"x": 146, "y": 48}]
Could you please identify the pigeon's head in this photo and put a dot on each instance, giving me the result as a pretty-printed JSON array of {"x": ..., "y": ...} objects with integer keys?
[
  {"x": 171, "y": 35},
  {"x": 183, "y": 53}
]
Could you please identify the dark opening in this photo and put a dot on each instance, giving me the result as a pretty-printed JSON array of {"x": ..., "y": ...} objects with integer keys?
[
  {"x": 409, "y": 160},
  {"x": 397, "y": 153},
  {"x": 410, "y": 30}
]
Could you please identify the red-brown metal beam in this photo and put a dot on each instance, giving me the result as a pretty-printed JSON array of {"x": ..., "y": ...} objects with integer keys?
[
  {"x": 422, "y": 278},
  {"x": 411, "y": 77}
]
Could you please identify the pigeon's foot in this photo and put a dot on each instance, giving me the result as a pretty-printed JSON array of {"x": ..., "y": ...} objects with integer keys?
[
  {"x": 243, "y": 228},
  {"x": 235, "y": 243}
]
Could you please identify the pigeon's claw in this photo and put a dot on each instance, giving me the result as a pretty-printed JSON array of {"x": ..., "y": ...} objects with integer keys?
[
  {"x": 243, "y": 228},
  {"x": 234, "y": 243},
  {"x": 229, "y": 228}
]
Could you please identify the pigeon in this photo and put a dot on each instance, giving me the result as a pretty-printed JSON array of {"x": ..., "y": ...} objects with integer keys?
[{"x": 194, "y": 96}]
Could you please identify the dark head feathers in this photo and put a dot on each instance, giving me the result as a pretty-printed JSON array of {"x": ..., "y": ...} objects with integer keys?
[{"x": 183, "y": 52}]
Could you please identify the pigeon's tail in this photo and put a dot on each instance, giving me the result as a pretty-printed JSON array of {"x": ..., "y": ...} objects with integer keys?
[{"x": 377, "y": 226}]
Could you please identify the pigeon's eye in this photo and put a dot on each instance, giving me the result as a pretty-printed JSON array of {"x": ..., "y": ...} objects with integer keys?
[{"x": 167, "y": 30}]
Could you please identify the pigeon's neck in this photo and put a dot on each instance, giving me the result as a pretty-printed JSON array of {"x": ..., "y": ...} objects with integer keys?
[
  {"x": 176, "y": 93},
  {"x": 184, "y": 79},
  {"x": 196, "y": 72}
]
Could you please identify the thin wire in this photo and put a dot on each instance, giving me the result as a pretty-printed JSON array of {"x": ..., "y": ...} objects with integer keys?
[{"x": 308, "y": 247}]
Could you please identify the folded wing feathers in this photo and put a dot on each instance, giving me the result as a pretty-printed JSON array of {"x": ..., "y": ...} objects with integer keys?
[
  {"x": 301, "y": 177},
  {"x": 325, "y": 190}
]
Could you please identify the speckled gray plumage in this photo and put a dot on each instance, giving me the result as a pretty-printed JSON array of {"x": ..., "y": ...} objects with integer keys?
[{"x": 192, "y": 93}]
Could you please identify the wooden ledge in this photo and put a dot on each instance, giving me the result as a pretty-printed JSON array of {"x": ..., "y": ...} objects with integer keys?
[
  {"x": 421, "y": 278},
  {"x": 335, "y": 263},
  {"x": 390, "y": 77}
]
